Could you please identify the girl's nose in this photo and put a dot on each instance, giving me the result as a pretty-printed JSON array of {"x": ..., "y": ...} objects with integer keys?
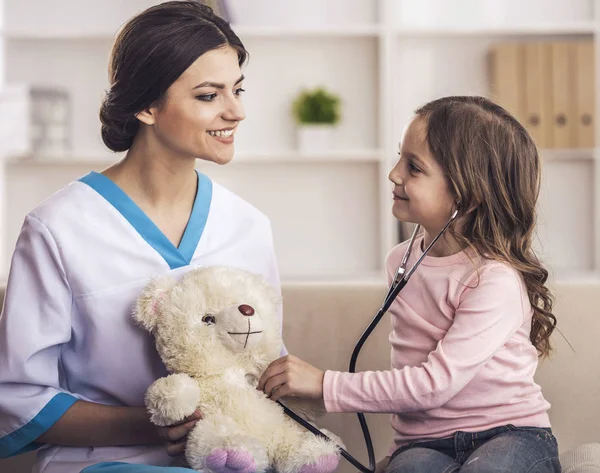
[
  {"x": 246, "y": 310},
  {"x": 395, "y": 175}
]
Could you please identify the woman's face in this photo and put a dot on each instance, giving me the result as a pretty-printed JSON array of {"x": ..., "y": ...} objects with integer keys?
[{"x": 201, "y": 110}]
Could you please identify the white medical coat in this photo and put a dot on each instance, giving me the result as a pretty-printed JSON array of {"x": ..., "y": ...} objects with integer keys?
[{"x": 66, "y": 329}]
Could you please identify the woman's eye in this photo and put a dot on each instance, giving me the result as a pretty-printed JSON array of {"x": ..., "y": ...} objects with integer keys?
[
  {"x": 239, "y": 92},
  {"x": 207, "y": 97},
  {"x": 209, "y": 320}
]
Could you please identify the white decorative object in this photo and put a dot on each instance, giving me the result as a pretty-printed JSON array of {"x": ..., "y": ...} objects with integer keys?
[
  {"x": 314, "y": 138},
  {"x": 34, "y": 121},
  {"x": 15, "y": 130},
  {"x": 50, "y": 122}
]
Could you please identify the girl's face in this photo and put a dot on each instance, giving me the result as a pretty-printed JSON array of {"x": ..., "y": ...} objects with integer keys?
[
  {"x": 421, "y": 191},
  {"x": 201, "y": 110}
]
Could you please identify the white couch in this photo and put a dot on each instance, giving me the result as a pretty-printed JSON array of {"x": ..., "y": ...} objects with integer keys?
[{"x": 323, "y": 321}]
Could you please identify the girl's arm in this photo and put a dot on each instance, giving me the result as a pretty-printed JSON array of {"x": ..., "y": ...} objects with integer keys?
[{"x": 487, "y": 317}]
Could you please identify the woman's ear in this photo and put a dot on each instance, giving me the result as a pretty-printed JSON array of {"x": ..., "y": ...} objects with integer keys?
[{"x": 147, "y": 116}]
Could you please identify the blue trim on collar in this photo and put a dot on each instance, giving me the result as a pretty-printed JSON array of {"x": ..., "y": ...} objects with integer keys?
[
  {"x": 198, "y": 217},
  {"x": 175, "y": 257},
  {"x": 23, "y": 439}
]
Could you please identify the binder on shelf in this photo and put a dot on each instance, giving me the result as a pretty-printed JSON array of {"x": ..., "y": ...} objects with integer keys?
[
  {"x": 563, "y": 84},
  {"x": 538, "y": 93},
  {"x": 506, "y": 75},
  {"x": 585, "y": 101}
]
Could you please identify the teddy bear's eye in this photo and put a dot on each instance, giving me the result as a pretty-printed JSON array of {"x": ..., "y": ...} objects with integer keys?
[{"x": 209, "y": 320}]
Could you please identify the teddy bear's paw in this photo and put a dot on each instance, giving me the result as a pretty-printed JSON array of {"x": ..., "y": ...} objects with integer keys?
[
  {"x": 324, "y": 464},
  {"x": 231, "y": 460},
  {"x": 334, "y": 438},
  {"x": 171, "y": 399}
]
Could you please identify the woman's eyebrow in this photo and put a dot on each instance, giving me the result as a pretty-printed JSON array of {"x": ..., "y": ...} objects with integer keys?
[{"x": 217, "y": 85}]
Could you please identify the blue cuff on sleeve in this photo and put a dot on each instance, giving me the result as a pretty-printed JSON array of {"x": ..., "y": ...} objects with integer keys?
[{"x": 22, "y": 440}]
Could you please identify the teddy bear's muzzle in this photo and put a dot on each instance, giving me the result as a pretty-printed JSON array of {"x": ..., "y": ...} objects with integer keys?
[{"x": 250, "y": 333}]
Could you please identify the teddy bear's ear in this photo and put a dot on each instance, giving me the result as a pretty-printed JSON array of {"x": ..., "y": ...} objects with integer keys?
[{"x": 148, "y": 306}]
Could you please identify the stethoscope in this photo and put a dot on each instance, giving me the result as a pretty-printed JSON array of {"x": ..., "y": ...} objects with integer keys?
[{"x": 400, "y": 279}]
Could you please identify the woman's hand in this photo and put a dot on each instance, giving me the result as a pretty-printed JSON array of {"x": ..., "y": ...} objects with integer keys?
[
  {"x": 290, "y": 376},
  {"x": 175, "y": 435}
]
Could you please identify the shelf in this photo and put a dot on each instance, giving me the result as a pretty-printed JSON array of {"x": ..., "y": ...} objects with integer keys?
[
  {"x": 568, "y": 154},
  {"x": 368, "y": 278},
  {"x": 245, "y": 157},
  {"x": 249, "y": 32},
  {"x": 67, "y": 161},
  {"x": 286, "y": 156},
  {"x": 375, "y": 30},
  {"x": 60, "y": 35},
  {"x": 582, "y": 28},
  {"x": 583, "y": 278},
  {"x": 574, "y": 278},
  {"x": 244, "y": 32}
]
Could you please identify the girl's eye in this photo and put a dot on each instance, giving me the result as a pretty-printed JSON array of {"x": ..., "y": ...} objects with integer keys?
[
  {"x": 239, "y": 92},
  {"x": 207, "y": 97},
  {"x": 209, "y": 320},
  {"x": 413, "y": 168}
]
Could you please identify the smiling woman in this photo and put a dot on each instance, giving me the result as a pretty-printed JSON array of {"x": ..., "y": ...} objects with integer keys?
[
  {"x": 181, "y": 80},
  {"x": 74, "y": 367}
]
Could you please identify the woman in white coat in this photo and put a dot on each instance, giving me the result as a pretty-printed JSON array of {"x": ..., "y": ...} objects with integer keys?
[{"x": 74, "y": 367}]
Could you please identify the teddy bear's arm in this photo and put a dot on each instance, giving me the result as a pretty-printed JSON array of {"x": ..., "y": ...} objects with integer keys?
[{"x": 171, "y": 399}]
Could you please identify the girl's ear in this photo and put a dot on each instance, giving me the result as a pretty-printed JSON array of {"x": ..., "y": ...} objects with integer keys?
[{"x": 150, "y": 303}]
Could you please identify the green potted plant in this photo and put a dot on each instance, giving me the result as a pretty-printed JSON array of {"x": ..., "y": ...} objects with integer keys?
[{"x": 316, "y": 113}]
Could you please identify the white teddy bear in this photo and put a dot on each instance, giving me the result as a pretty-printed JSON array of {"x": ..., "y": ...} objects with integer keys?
[{"x": 217, "y": 330}]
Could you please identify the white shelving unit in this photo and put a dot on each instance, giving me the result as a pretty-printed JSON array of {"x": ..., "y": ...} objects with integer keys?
[{"x": 330, "y": 213}]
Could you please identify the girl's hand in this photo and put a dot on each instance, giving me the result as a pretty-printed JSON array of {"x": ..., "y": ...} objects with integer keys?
[
  {"x": 290, "y": 376},
  {"x": 175, "y": 435}
]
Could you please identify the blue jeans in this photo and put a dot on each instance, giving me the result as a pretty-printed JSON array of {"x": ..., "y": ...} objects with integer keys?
[{"x": 506, "y": 449}]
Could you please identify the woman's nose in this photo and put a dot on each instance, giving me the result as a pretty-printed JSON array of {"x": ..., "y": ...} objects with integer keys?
[
  {"x": 235, "y": 110},
  {"x": 246, "y": 310}
]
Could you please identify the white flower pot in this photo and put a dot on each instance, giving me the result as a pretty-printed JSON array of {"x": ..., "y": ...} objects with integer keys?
[{"x": 314, "y": 138}]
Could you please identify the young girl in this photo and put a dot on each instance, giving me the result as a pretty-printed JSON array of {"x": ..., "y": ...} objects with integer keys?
[
  {"x": 74, "y": 367},
  {"x": 472, "y": 320}
]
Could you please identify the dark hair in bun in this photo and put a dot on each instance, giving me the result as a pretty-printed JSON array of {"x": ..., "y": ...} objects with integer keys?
[{"x": 152, "y": 50}]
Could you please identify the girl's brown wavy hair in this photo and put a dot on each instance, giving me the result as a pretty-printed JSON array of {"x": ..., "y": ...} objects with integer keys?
[{"x": 493, "y": 167}]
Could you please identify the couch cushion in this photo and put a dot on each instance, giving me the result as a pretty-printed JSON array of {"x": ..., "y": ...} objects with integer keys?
[
  {"x": 323, "y": 321},
  {"x": 582, "y": 459}
]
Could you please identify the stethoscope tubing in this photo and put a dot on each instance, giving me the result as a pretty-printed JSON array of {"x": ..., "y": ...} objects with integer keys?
[{"x": 400, "y": 279}]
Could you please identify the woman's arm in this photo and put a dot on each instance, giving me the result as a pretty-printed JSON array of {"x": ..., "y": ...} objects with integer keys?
[{"x": 87, "y": 424}]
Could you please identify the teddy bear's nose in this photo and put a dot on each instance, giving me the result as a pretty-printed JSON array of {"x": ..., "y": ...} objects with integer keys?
[{"x": 246, "y": 310}]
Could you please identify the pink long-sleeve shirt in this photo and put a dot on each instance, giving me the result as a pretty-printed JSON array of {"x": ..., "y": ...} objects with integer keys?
[{"x": 461, "y": 355}]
